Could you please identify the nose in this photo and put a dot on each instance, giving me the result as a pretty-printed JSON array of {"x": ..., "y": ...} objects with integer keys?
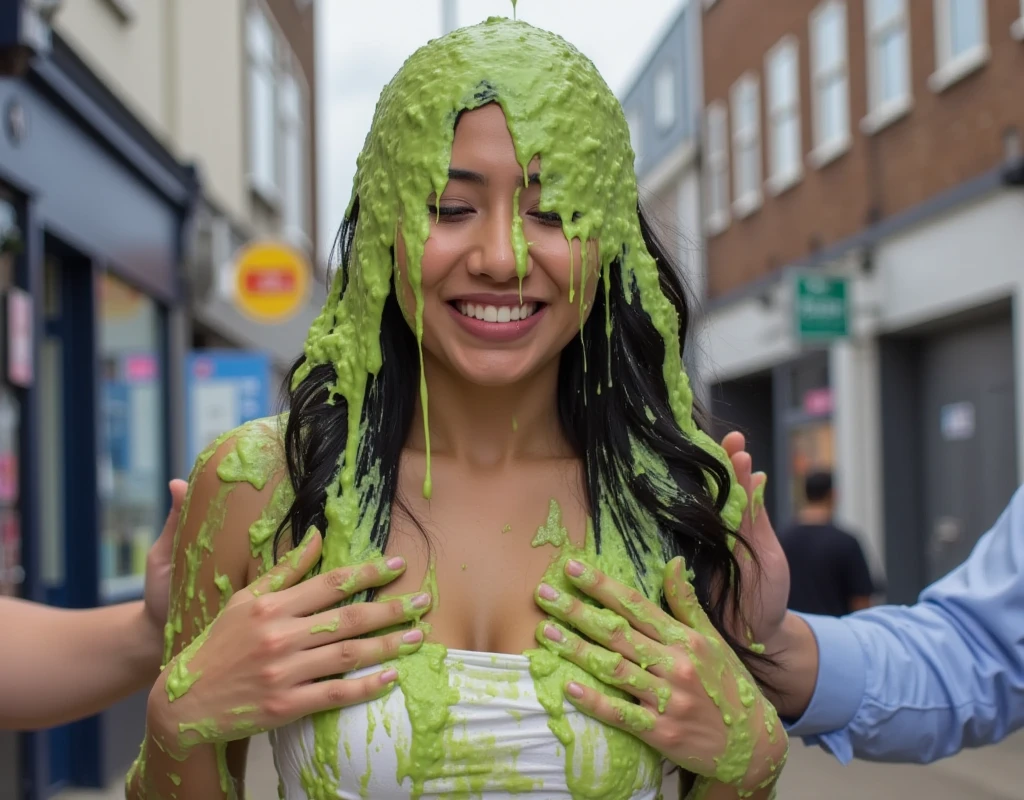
[{"x": 494, "y": 256}]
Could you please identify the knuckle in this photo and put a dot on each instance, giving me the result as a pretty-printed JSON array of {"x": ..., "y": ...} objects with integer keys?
[
  {"x": 397, "y": 610},
  {"x": 621, "y": 669},
  {"x": 335, "y": 579},
  {"x": 350, "y": 616},
  {"x": 276, "y": 707},
  {"x": 265, "y": 606},
  {"x": 683, "y": 672},
  {"x": 271, "y": 675},
  {"x": 273, "y": 642},
  {"x": 348, "y": 654},
  {"x": 337, "y": 694}
]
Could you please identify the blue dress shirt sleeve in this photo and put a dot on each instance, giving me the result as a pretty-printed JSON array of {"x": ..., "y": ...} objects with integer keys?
[{"x": 918, "y": 683}]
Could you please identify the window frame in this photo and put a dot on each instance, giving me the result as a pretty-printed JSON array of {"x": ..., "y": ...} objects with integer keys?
[
  {"x": 267, "y": 187},
  {"x": 1017, "y": 26},
  {"x": 951, "y": 67},
  {"x": 716, "y": 153},
  {"x": 882, "y": 114},
  {"x": 827, "y": 150},
  {"x": 300, "y": 232},
  {"x": 635, "y": 123},
  {"x": 746, "y": 199},
  {"x": 778, "y": 181}
]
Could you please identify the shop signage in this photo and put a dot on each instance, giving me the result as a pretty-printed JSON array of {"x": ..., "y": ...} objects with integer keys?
[
  {"x": 271, "y": 281},
  {"x": 225, "y": 388},
  {"x": 19, "y": 337},
  {"x": 821, "y": 307}
]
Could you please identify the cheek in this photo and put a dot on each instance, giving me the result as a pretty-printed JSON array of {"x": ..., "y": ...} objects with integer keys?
[
  {"x": 554, "y": 256},
  {"x": 432, "y": 267}
]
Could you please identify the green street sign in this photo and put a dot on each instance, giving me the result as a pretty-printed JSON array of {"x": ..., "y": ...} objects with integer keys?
[{"x": 820, "y": 307}]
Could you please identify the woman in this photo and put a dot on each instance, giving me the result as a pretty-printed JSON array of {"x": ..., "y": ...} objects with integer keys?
[{"x": 491, "y": 419}]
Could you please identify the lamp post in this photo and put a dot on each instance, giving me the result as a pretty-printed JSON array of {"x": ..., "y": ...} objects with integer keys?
[{"x": 449, "y": 14}]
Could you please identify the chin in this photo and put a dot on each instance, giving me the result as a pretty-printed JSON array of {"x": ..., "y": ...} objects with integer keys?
[{"x": 495, "y": 369}]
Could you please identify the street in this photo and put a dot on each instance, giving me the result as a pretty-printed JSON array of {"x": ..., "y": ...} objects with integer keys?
[{"x": 993, "y": 773}]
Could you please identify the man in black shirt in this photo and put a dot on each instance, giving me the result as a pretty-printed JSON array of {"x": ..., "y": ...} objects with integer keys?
[{"x": 828, "y": 572}]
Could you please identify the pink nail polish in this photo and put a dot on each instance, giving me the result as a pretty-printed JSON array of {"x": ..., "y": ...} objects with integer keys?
[
  {"x": 547, "y": 592},
  {"x": 574, "y": 568},
  {"x": 413, "y": 636},
  {"x": 574, "y": 689},
  {"x": 388, "y": 675},
  {"x": 396, "y": 562},
  {"x": 421, "y": 601},
  {"x": 551, "y": 632}
]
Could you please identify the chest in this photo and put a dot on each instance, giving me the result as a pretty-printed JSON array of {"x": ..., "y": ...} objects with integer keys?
[{"x": 477, "y": 538}]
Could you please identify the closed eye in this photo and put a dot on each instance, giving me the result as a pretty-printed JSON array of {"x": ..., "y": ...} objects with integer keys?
[{"x": 448, "y": 211}]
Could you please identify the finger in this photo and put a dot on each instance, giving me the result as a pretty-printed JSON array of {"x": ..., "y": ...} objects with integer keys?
[
  {"x": 605, "y": 627},
  {"x": 348, "y": 655},
  {"x": 341, "y": 692},
  {"x": 621, "y": 714},
  {"x": 164, "y": 542},
  {"x": 330, "y": 588},
  {"x": 630, "y": 604},
  {"x": 680, "y": 595},
  {"x": 758, "y": 482},
  {"x": 608, "y": 667},
  {"x": 734, "y": 442},
  {"x": 291, "y": 568},
  {"x": 357, "y": 619}
]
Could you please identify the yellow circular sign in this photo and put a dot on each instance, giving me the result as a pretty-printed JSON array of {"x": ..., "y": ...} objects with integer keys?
[{"x": 271, "y": 281}]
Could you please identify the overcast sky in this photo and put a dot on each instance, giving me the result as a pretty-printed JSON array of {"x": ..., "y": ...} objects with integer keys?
[{"x": 362, "y": 45}]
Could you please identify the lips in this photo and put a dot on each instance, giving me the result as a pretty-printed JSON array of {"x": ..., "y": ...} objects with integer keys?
[{"x": 497, "y": 320}]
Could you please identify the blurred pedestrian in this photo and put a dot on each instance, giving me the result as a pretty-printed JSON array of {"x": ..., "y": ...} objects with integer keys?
[{"x": 828, "y": 572}]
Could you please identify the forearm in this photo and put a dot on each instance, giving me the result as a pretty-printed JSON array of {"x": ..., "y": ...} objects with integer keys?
[
  {"x": 704, "y": 789},
  {"x": 157, "y": 775},
  {"x": 61, "y": 665},
  {"x": 792, "y": 679}
]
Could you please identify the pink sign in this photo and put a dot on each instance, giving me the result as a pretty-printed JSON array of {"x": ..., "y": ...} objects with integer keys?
[
  {"x": 818, "y": 402},
  {"x": 19, "y": 337},
  {"x": 140, "y": 368}
]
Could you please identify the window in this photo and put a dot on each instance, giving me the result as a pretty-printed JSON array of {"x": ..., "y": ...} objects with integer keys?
[
  {"x": 293, "y": 156},
  {"x": 783, "y": 71},
  {"x": 262, "y": 101},
  {"x": 665, "y": 98},
  {"x": 746, "y": 145},
  {"x": 830, "y": 81},
  {"x": 888, "y": 62},
  {"x": 133, "y": 454},
  {"x": 961, "y": 40},
  {"x": 1017, "y": 28},
  {"x": 716, "y": 189},
  {"x": 635, "y": 134}
]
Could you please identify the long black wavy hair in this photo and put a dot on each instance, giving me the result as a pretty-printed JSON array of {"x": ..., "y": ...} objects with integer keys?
[{"x": 603, "y": 422}]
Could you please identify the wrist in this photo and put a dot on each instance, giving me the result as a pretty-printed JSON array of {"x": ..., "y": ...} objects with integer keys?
[
  {"x": 147, "y": 638},
  {"x": 795, "y": 650}
]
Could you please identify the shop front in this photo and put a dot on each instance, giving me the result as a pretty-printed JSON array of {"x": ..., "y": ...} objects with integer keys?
[{"x": 93, "y": 214}]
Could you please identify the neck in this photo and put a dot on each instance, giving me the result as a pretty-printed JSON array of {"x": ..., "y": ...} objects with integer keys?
[
  {"x": 488, "y": 426},
  {"x": 816, "y": 514}
]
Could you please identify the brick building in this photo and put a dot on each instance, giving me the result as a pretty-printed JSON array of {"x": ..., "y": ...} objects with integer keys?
[{"x": 878, "y": 141}]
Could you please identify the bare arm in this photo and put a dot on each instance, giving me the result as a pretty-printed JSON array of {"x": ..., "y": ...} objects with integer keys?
[
  {"x": 62, "y": 665},
  {"x": 795, "y": 650},
  {"x": 211, "y": 561}
]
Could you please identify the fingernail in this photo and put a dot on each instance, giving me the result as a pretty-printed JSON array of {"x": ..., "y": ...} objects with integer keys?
[
  {"x": 574, "y": 568},
  {"x": 397, "y": 562},
  {"x": 547, "y": 592},
  {"x": 388, "y": 675},
  {"x": 553, "y": 633},
  {"x": 574, "y": 689},
  {"x": 421, "y": 601},
  {"x": 413, "y": 636}
]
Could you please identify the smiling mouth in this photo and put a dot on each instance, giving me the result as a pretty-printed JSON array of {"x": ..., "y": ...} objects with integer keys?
[{"x": 498, "y": 314}]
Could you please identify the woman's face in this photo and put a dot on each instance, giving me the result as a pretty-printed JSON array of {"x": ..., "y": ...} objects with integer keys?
[{"x": 473, "y": 321}]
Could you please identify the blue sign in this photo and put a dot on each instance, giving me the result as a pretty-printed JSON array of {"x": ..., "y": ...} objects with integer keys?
[{"x": 224, "y": 389}]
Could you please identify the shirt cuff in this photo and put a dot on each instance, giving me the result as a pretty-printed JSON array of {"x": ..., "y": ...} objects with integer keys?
[{"x": 842, "y": 678}]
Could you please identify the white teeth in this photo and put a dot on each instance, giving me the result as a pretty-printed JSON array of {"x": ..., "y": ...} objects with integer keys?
[{"x": 496, "y": 314}]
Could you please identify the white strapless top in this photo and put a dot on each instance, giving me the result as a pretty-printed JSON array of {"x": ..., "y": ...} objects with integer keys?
[{"x": 495, "y": 743}]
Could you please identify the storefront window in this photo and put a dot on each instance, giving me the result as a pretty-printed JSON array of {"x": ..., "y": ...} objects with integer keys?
[{"x": 132, "y": 451}]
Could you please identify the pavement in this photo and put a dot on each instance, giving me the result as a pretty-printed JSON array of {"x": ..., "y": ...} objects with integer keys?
[{"x": 991, "y": 773}]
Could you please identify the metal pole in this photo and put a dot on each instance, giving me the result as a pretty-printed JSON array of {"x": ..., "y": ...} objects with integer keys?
[{"x": 449, "y": 15}]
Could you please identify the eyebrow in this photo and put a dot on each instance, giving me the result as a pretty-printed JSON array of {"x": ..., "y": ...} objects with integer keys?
[{"x": 469, "y": 176}]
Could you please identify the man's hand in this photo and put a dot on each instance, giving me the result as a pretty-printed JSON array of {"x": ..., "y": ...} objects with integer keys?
[
  {"x": 158, "y": 562},
  {"x": 765, "y": 595}
]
